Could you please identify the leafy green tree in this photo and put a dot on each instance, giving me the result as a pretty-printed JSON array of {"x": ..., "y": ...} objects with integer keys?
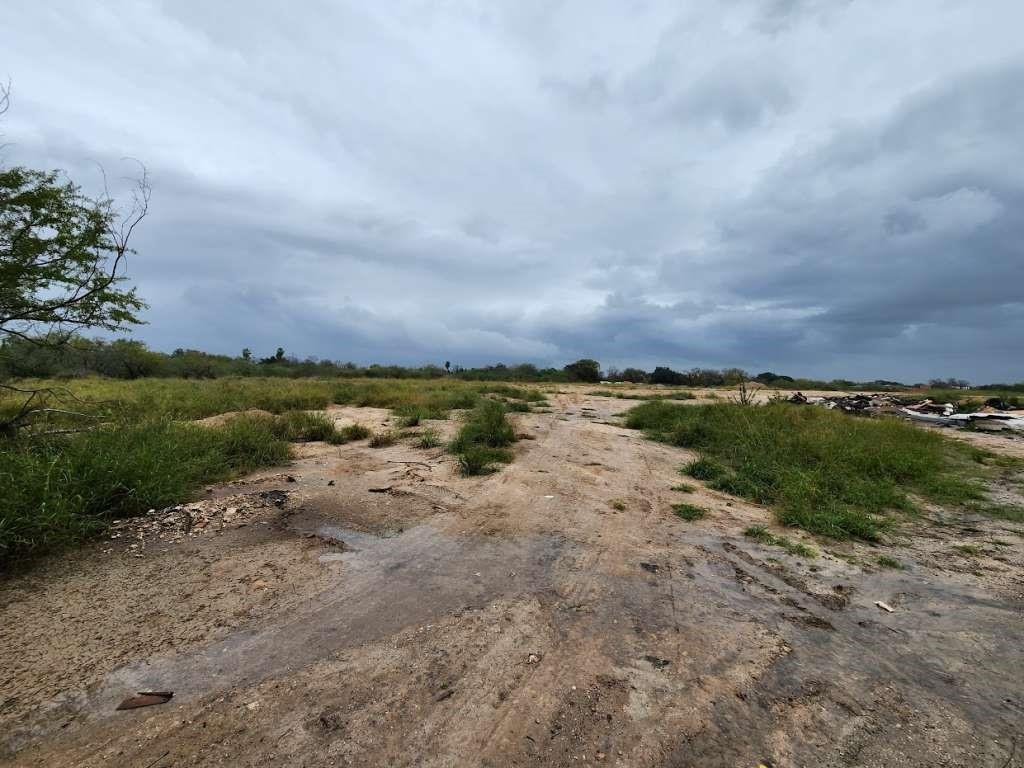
[
  {"x": 62, "y": 258},
  {"x": 584, "y": 370},
  {"x": 62, "y": 263}
]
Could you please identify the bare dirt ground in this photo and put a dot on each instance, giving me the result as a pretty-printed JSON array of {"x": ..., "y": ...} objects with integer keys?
[{"x": 368, "y": 607}]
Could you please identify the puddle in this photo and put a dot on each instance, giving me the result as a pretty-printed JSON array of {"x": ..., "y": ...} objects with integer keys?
[
  {"x": 388, "y": 584},
  {"x": 352, "y": 540}
]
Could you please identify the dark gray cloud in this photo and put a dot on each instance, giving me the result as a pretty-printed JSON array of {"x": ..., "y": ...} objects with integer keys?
[{"x": 829, "y": 188}]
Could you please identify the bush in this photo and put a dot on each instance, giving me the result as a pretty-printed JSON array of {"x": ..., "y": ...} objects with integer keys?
[{"x": 584, "y": 370}]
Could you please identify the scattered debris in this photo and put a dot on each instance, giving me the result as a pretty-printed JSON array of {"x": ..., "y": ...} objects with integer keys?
[
  {"x": 146, "y": 699},
  {"x": 330, "y": 482},
  {"x": 859, "y": 403},
  {"x": 533, "y": 658},
  {"x": 650, "y": 567},
  {"x": 290, "y": 479},
  {"x": 383, "y": 489},
  {"x": 657, "y": 662},
  {"x": 995, "y": 414},
  {"x": 989, "y": 419},
  {"x": 186, "y": 521},
  {"x": 277, "y": 498},
  {"x": 884, "y": 606}
]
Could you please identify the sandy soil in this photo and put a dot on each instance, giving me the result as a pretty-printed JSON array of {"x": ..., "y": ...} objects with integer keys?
[{"x": 368, "y": 607}]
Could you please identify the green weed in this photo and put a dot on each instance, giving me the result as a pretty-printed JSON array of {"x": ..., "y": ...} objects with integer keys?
[
  {"x": 688, "y": 511},
  {"x": 761, "y": 534}
]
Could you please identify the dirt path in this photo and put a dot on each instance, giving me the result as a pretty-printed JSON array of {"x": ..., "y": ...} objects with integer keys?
[{"x": 379, "y": 610}]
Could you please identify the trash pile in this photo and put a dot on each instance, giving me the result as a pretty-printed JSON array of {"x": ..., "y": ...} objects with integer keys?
[
  {"x": 185, "y": 521},
  {"x": 993, "y": 415},
  {"x": 861, "y": 404}
]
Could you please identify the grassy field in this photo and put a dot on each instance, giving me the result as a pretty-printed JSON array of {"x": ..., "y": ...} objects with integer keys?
[
  {"x": 141, "y": 450},
  {"x": 819, "y": 470},
  {"x": 187, "y": 399}
]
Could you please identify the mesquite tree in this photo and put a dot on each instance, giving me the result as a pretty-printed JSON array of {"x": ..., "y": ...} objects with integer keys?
[{"x": 62, "y": 263}]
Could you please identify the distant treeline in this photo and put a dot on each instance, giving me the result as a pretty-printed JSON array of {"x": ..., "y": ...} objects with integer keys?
[{"x": 128, "y": 359}]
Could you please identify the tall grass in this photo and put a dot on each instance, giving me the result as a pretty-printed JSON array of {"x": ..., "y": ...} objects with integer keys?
[
  {"x": 62, "y": 489},
  {"x": 820, "y": 470},
  {"x": 189, "y": 399},
  {"x": 483, "y": 439}
]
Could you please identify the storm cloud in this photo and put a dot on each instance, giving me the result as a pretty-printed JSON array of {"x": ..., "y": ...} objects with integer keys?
[{"x": 813, "y": 187}]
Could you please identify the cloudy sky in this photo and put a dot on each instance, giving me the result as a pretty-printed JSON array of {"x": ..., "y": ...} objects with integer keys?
[{"x": 818, "y": 187}]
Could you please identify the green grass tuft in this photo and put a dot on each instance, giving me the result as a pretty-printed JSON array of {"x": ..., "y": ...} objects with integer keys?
[
  {"x": 688, "y": 511},
  {"x": 303, "y": 426},
  {"x": 383, "y": 439},
  {"x": 705, "y": 469},
  {"x": 348, "y": 434},
  {"x": 483, "y": 438},
  {"x": 1009, "y": 512},
  {"x": 428, "y": 438},
  {"x": 684, "y": 488},
  {"x": 761, "y": 534},
  {"x": 888, "y": 562}
]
